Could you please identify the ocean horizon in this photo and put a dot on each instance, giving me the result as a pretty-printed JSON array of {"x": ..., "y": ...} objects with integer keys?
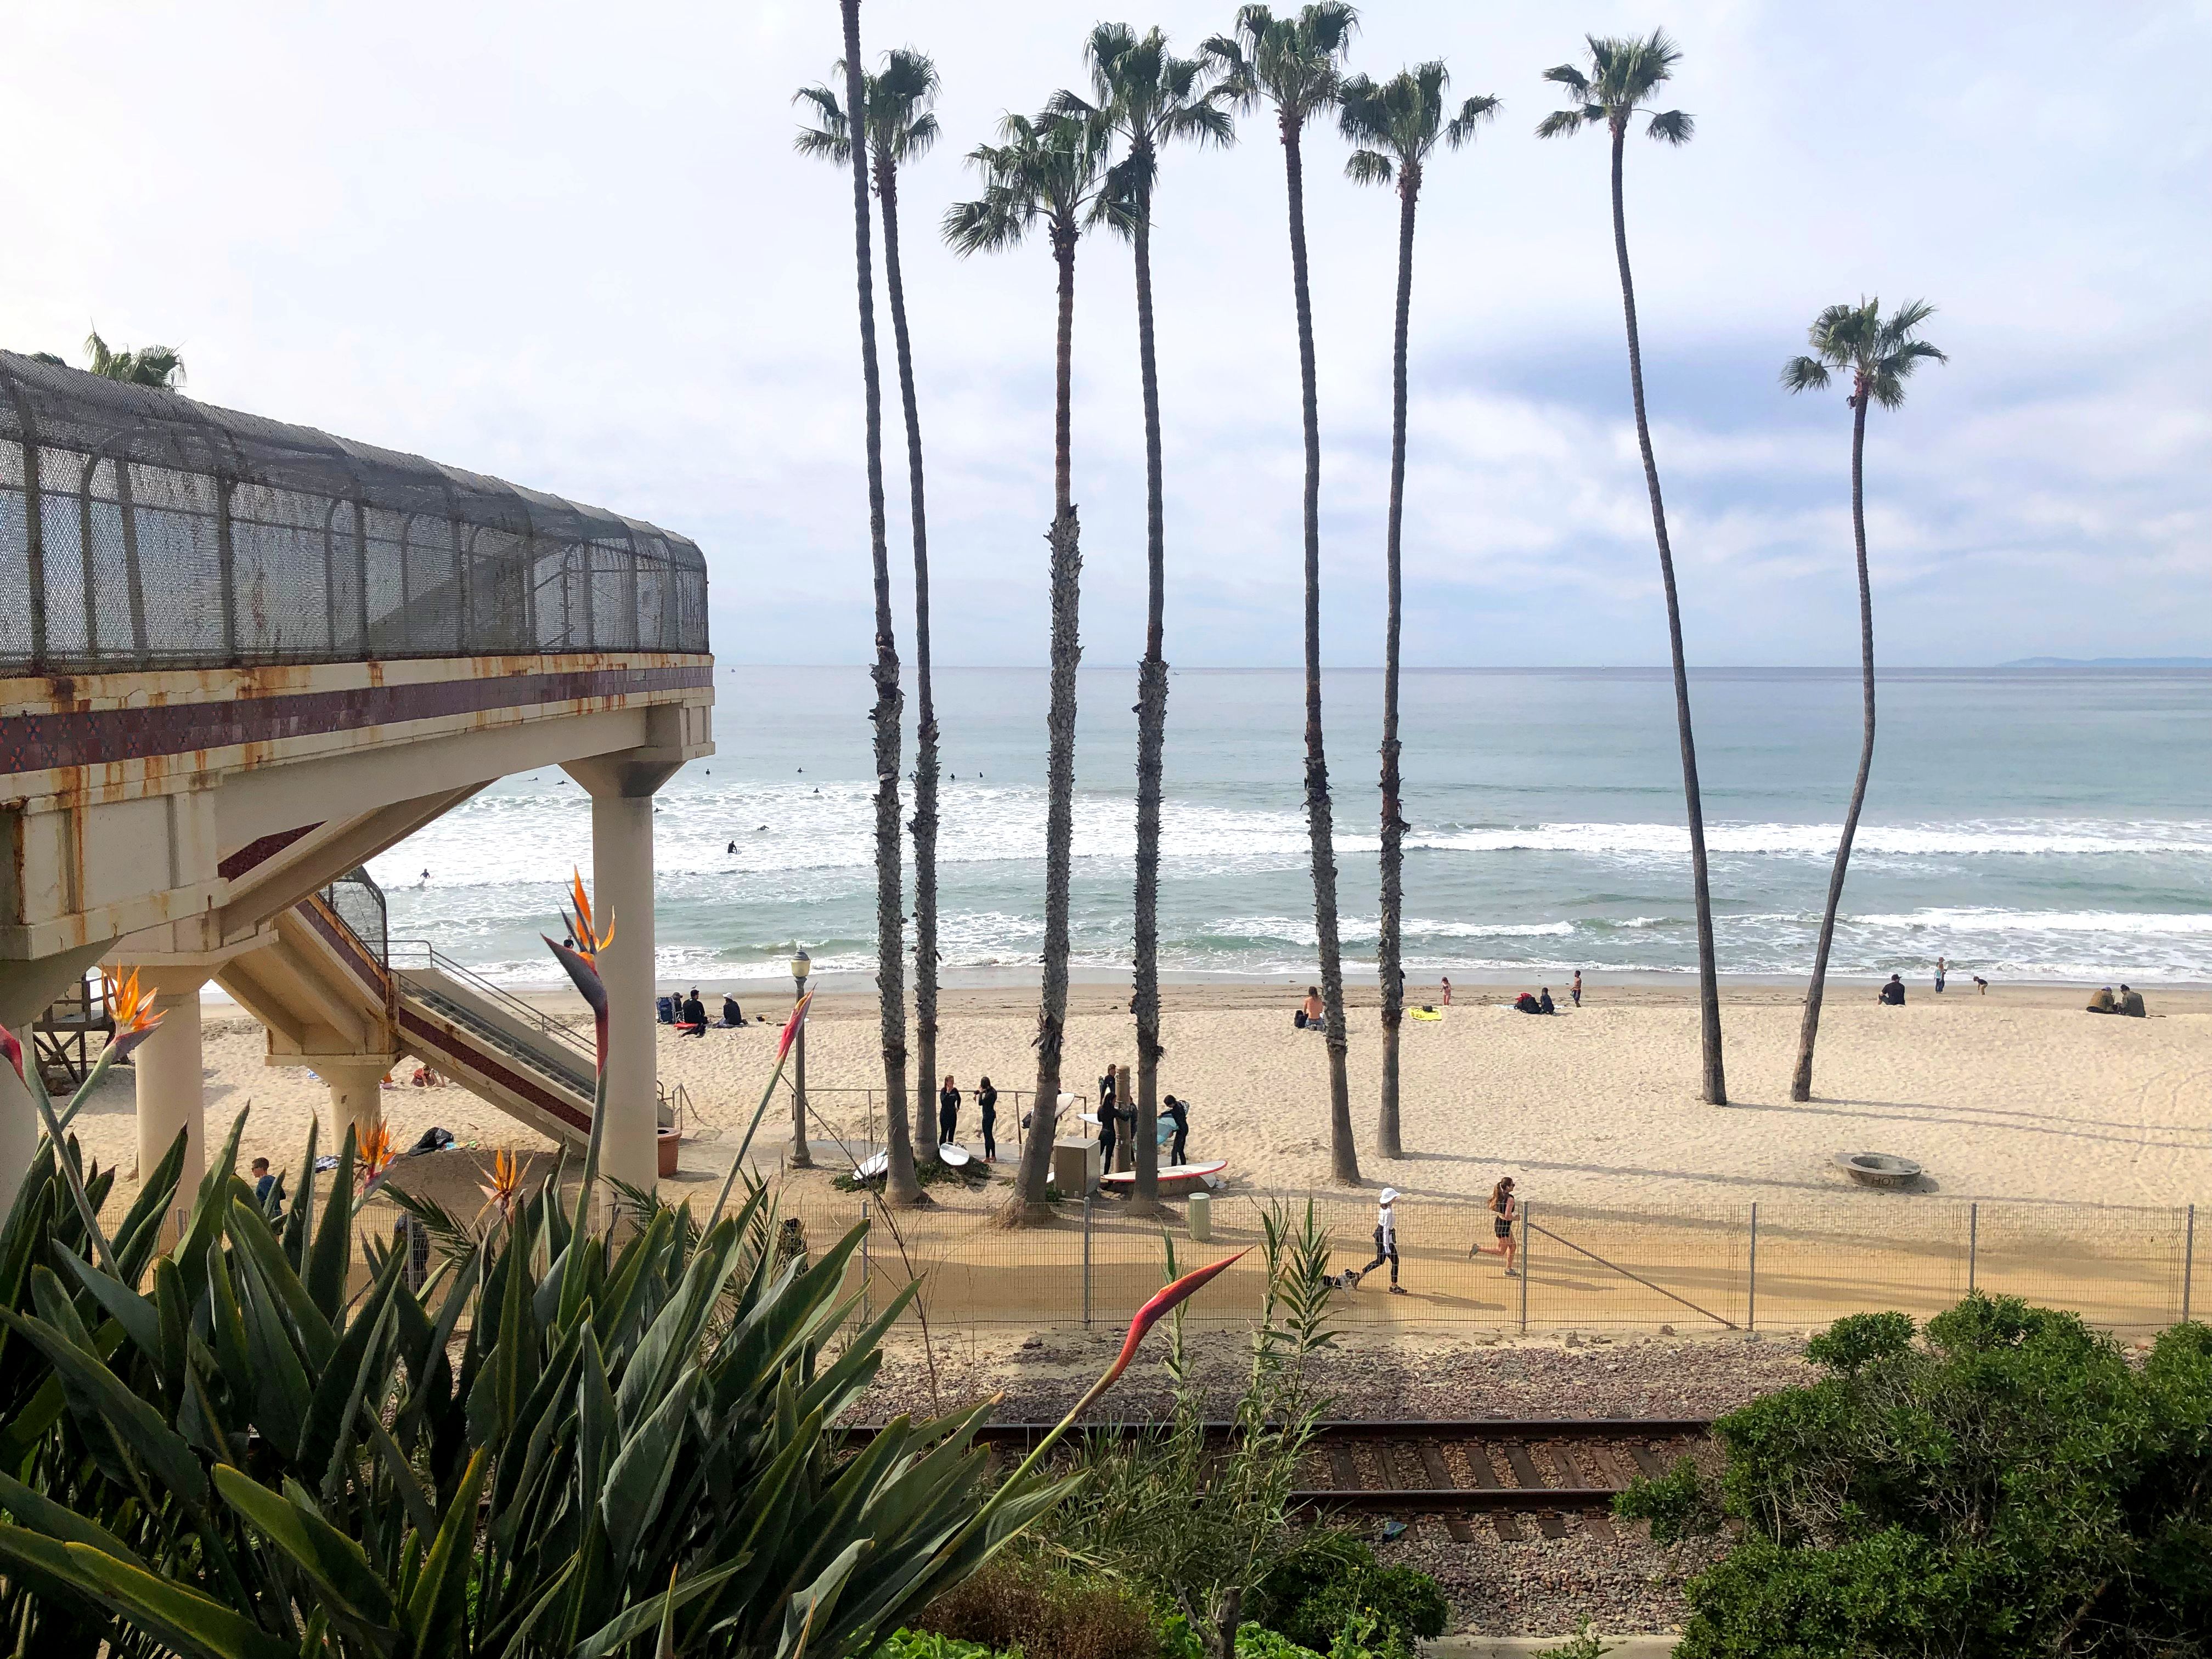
[{"x": 2045, "y": 825}]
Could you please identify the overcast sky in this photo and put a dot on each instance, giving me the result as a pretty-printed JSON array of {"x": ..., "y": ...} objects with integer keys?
[{"x": 571, "y": 245}]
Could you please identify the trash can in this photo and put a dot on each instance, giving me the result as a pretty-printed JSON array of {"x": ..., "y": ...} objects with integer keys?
[{"x": 1199, "y": 1213}]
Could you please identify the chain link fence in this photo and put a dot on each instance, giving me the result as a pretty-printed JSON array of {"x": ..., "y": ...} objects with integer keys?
[
  {"x": 140, "y": 529},
  {"x": 1754, "y": 1266}
]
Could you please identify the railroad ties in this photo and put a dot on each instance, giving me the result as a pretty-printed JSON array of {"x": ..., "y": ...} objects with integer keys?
[{"x": 1476, "y": 1477}]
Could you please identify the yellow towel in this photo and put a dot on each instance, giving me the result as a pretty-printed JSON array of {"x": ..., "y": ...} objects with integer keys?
[{"x": 1428, "y": 1013}]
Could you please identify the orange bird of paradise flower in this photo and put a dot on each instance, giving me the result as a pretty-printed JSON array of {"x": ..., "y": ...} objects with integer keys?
[
  {"x": 505, "y": 1187},
  {"x": 135, "y": 1018},
  {"x": 581, "y": 960}
]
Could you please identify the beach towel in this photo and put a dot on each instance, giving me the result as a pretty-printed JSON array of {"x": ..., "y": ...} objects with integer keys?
[{"x": 1427, "y": 1013}]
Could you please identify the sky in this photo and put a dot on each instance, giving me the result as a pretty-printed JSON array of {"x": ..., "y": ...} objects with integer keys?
[{"x": 573, "y": 246}]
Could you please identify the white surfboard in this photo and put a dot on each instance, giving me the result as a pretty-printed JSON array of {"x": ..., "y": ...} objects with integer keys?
[
  {"x": 953, "y": 1154},
  {"x": 873, "y": 1166},
  {"x": 1173, "y": 1174}
]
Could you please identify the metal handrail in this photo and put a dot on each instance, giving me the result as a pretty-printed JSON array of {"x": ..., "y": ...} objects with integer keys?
[{"x": 507, "y": 1001}]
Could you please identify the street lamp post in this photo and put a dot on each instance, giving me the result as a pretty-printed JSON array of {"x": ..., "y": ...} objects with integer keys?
[{"x": 801, "y": 1158}]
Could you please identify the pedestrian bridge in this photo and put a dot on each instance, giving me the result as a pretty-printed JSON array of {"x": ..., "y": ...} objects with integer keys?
[{"x": 254, "y": 656}]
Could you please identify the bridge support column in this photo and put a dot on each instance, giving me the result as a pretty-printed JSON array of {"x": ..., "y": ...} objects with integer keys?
[
  {"x": 356, "y": 1099},
  {"x": 169, "y": 1066},
  {"x": 621, "y": 789}
]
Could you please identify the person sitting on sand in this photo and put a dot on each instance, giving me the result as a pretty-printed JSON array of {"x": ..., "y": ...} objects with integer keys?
[
  {"x": 264, "y": 1183},
  {"x": 1525, "y": 1004},
  {"x": 1543, "y": 1004},
  {"x": 2131, "y": 1002},
  {"x": 1309, "y": 1011},
  {"x": 732, "y": 1014},
  {"x": 2102, "y": 1002},
  {"x": 692, "y": 1017},
  {"x": 1892, "y": 995}
]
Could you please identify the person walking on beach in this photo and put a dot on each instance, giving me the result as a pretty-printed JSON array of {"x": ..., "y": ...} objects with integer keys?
[
  {"x": 1505, "y": 1211},
  {"x": 1575, "y": 989},
  {"x": 987, "y": 1102},
  {"x": 1177, "y": 1112},
  {"x": 1446, "y": 998},
  {"x": 1939, "y": 976},
  {"x": 948, "y": 1110},
  {"x": 1386, "y": 1241}
]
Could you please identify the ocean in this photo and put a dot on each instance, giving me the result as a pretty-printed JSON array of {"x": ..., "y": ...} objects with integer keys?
[{"x": 2029, "y": 824}]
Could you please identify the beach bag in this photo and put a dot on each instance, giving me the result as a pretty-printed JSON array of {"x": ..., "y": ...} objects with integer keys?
[
  {"x": 666, "y": 1007},
  {"x": 1298, "y": 1019}
]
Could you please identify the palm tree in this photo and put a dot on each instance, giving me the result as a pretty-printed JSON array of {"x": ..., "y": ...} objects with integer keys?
[
  {"x": 1396, "y": 125},
  {"x": 1045, "y": 172},
  {"x": 900, "y": 1185},
  {"x": 157, "y": 366},
  {"x": 1295, "y": 63},
  {"x": 1880, "y": 356},
  {"x": 902, "y": 129},
  {"x": 1623, "y": 72},
  {"x": 1149, "y": 98}
]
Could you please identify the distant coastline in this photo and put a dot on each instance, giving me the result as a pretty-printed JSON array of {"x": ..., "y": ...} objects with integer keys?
[{"x": 2108, "y": 662}]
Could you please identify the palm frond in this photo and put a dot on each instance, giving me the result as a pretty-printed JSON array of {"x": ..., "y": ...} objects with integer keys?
[
  {"x": 1561, "y": 123},
  {"x": 1472, "y": 114},
  {"x": 1570, "y": 78},
  {"x": 1804, "y": 374},
  {"x": 1675, "y": 127},
  {"x": 1368, "y": 167}
]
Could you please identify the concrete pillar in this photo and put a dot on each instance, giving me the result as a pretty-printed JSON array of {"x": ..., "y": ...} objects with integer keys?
[
  {"x": 622, "y": 891},
  {"x": 169, "y": 1068},
  {"x": 26, "y": 986},
  {"x": 357, "y": 1100}
]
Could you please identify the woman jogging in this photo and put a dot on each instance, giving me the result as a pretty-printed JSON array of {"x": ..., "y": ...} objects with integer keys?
[
  {"x": 1505, "y": 1211},
  {"x": 1386, "y": 1241},
  {"x": 948, "y": 1110},
  {"x": 987, "y": 1102}
]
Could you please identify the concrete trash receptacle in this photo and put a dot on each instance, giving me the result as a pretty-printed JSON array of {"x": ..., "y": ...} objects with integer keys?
[{"x": 1198, "y": 1214}]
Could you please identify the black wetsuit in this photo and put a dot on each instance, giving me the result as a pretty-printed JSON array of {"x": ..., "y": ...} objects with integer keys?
[
  {"x": 948, "y": 1114},
  {"x": 987, "y": 1102},
  {"x": 1177, "y": 1112}
]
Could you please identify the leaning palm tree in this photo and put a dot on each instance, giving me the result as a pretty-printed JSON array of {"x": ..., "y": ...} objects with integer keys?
[
  {"x": 900, "y": 1185},
  {"x": 902, "y": 129},
  {"x": 1048, "y": 173},
  {"x": 1149, "y": 98},
  {"x": 1880, "y": 356},
  {"x": 1623, "y": 72},
  {"x": 1396, "y": 124},
  {"x": 157, "y": 366},
  {"x": 1295, "y": 65}
]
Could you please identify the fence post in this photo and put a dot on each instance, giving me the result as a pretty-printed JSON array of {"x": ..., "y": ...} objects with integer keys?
[
  {"x": 866, "y": 1313},
  {"x": 2188, "y": 1260},
  {"x": 1086, "y": 1261},
  {"x": 1973, "y": 1243},
  {"x": 1524, "y": 1270},
  {"x": 1751, "y": 1286}
]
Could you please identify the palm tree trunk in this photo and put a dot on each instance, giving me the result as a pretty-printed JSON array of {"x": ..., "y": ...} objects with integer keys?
[
  {"x": 924, "y": 826},
  {"x": 1344, "y": 1157},
  {"x": 1393, "y": 823},
  {"x": 1152, "y": 745},
  {"x": 1709, "y": 992},
  {"x": 1027, "y": 1204},
  {"x": 1801, "y": 1084},
  {"x": 891, "y": 940}
]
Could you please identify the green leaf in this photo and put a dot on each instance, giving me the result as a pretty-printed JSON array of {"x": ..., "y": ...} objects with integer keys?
[
  {"x": 316, "y": 1333},
  {"x": 641, "y": 1470},
  {"x": 435, "y": 1603},
  {"x": 179, "y": 1618},
  {"x": 336, "y": 1565},
  {"x": 101, "y": 1401},
  {"x": 661, "y": 1611},
  {"x": 333, "y": 1248},
  {"x": 140, "y": 1319},
  {"x": 299, "y": 1215}
]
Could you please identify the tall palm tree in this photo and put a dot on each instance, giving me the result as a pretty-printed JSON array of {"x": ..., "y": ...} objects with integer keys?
[
  {"x": 1295, "y": 65},
  {"x": 1624, "y": 73},
  {"x": 902, "y": 128},
  {"x": 900, "y": 1185},
  {"x": 1149, "y": 98},
  {"x": 1880, "y": 356},
  {"x": 1396, "y": 124},
  {"x": 1045, "y": 172},
  {"x": 157, "y": 366}
]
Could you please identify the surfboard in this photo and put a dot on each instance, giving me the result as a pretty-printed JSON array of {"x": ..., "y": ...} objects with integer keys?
[
  {"x": 874, "y": 1166},
  {"x": 1183, "y": 1175},
  {"x": 952, "y": 1154}
]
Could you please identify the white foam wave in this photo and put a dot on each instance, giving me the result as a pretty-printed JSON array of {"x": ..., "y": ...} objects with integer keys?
[{"x": 2113, "y": 923}]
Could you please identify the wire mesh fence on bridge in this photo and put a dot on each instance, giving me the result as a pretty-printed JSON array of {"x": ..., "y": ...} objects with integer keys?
[
  {"x": 141, "y": 530},
  {"x": 1764, "y": 1267}
]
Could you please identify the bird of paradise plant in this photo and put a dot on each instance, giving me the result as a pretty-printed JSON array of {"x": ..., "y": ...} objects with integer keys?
[
  {"x": 504, "y": 1190},
  {"x": 582, "y": 959},
  {"x": 135, "y": 1020}
]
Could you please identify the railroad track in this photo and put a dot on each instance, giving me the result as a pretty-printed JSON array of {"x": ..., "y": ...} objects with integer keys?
[{"x": 1507, "y": 1473}]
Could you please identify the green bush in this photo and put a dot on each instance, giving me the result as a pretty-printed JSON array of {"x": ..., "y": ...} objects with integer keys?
[
  {"x": 1678, "y": 1503},
  {"x": 928, "y": 1644},
  {"x": 1330, "y": 1578},
  {"x": 1256, "y": 1642},
  {"x": 1047, "y": 1610},
  {"x": 2008, "y": 1484}
]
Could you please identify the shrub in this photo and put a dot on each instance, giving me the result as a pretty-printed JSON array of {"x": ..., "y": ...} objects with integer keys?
[
  {"x": 2009, "y": 1485},
  {"x": 1257, "y": 1641},
  {"x": 1045, "y": 1610},
  {"x": 1677, "y": 1503},
  {"x": 928, "y": 1644},
  {"x": 1325, "y": 1583}
]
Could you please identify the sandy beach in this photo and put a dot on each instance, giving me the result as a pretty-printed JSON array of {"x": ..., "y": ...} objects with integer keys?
[{"x": 2019, "y": 1095}]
